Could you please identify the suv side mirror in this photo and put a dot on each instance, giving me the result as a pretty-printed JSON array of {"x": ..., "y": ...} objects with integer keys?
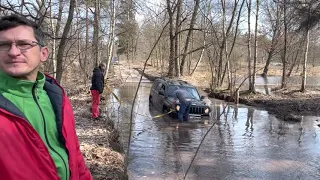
[
  {"x": 202, "y": 97},
  {"x": 161, "y": 93}
]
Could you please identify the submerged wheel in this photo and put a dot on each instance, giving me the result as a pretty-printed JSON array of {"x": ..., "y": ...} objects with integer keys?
[
  {"x": 165, "y": 110},
  {"x": 150, "y": 101}
]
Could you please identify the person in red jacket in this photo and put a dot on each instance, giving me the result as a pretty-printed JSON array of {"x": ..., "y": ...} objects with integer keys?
[{"x": 38, "y": 138}]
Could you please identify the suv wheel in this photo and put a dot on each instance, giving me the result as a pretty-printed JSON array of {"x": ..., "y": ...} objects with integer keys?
[
  {"x": 150, "y": 100},
  {"x": 165, "y": 110}
]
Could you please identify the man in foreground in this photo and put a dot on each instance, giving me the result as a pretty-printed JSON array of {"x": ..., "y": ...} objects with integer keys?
[{"x": 38, "y": 139}]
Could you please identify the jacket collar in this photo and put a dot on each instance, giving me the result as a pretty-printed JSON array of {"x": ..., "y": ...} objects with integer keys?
[
  {"x": 22, "y": 88},
  {"x": 54, "y": 91}
]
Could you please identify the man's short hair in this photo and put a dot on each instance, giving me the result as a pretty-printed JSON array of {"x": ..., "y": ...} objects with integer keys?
[
  {"x": 14, "y": 20},
  {"x": 102, "y": 65}
]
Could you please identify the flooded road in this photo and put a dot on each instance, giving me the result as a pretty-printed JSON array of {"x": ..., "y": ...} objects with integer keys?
[{"x": 244, "y": 144}]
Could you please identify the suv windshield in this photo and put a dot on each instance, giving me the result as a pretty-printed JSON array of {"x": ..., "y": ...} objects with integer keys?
[{"x": 193, "y": 91}]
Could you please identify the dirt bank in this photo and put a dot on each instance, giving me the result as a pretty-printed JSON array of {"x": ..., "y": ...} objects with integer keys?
[
  {"x": 99, "y": 140},
  {"x": 286, "y": 104}
]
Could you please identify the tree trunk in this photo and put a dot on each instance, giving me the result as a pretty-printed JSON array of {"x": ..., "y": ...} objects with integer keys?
[
  {"x": 304, "y": 78},
  {"x": 111, "y": 38},
  {"x": 268, "y": 61},
  {"x": 220, "y": 66},
  {"x": 294, "y": 61},
  {"x": 255, "y": 48},
  {"x": 171, "y": 53},
  {"x": 86, "y": 61},
  {"x": 42, "y": 12},
  {"x": 177, "y": 38},
  {"x": 63, "y": 42},
  {"x": 201, "y": 55},
  {"x": 79, "y": 42},
  {"x": 231, "y": 84},
  {"x": 53, "y": 54},
  {"x": 95, "y": 42},
  {"x": 22, "y": 4},
  {"x": 275, "y": 37},
  {"x": 212, "y": 72},
  {"x": 284, "y": 56},
  {"x": 190, "y": 55},
  {"x": 249, "y": 47},
  {"x": 193, "y": 20}
]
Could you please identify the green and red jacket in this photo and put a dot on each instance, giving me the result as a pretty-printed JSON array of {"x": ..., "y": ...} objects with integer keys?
[{"x": 37, "y": 132}]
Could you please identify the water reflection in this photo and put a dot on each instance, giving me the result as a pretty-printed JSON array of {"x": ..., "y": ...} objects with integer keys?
[
  {"x": 276, "y": 80},
  {"x": 249, "y": 122},
  {"x": 245, "y": 143},
  {"x": 266, "y": 83},
  {"x": 235, "y": 112}
]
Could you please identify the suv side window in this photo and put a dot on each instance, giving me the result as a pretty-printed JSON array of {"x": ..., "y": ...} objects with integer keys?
[
  {"x": 159, "y": 85},
  {"x": 155, "y": 85},
  {"x": 163, "y": 88}
]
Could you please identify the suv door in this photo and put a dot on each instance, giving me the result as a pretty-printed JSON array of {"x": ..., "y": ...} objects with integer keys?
[
  {"x": 155, "y": 93},
  {"x": 161, "y": 97}
]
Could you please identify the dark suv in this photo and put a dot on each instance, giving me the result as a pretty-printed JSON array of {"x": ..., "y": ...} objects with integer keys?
[{"x": 162, "y": 97}]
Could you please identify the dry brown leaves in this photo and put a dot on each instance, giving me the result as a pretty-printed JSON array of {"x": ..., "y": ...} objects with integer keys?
[{"x": 95, "y": 138}]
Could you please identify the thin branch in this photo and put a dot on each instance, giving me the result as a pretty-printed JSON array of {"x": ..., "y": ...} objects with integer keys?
[{"x": 136, "y": 94}]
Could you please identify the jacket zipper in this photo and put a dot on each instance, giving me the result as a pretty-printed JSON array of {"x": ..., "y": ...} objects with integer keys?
[{"x": 35, "y": 97}]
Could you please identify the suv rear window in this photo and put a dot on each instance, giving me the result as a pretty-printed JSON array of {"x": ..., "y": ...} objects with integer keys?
[{"x": 193, "y": 91}]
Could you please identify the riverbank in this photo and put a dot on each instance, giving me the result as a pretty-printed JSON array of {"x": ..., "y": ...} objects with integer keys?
[
  {"x": 286, "y": 104},
  {"x": 99, "y": 140}
]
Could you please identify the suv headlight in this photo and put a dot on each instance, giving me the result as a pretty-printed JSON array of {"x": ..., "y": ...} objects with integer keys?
[
  {"x": 206, "y": 110},
  {"x": 177, "y": 107}
]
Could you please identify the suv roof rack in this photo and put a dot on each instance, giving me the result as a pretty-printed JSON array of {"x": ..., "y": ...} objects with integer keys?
[
  {"x": 175, "y": 82},
  {"x": 182, "y": 81},
  {"x": 165, "y": 78}
]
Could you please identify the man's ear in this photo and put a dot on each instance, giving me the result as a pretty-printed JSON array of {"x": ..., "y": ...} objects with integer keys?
[{"x": 44, "y": 54}]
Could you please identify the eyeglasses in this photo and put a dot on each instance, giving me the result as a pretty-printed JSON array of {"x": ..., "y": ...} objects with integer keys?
[{"x": 20, "y": 44}]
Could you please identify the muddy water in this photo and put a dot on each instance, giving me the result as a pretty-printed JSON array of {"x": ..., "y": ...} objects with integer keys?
[{"x": 244, "y": 144}]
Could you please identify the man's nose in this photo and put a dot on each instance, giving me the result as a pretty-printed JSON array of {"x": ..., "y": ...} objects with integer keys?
[{"x": 14, "y": 50}]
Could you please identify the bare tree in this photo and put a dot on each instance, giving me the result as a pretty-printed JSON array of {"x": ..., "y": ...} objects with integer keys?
[
  {"x": 171, "y": 51},
  {"x": 96, "y": 32},
  {"x": 251, "y": 87},
  {"x": 64, "y": 40},
  {"x": 177, "y": 39},
  {"x": 284, "y": 56},
  {"x": 186, "y": 46},
  {"x": 111, "y": 36},
  {"x": 273, "y": 14},
  {"x": 309, "y": 14},
  {"x": 255, "y": 46}
]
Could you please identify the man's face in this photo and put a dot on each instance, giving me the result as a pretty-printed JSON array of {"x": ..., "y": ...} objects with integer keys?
[
  {"x": 103, "y": 67},
  {"x": 23, "y": 64}
]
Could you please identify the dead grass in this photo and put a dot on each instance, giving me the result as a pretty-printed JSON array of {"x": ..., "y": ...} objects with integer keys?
[{"x": 99, "y": 141}]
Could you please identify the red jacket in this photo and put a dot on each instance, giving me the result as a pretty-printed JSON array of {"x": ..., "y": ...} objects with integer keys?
[{"x": 23, "y": 154}]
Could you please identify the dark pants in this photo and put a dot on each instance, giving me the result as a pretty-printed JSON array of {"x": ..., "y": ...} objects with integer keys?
[
  {"x": 183, "y": 113},
  {"x": 95, "y": 103}
]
